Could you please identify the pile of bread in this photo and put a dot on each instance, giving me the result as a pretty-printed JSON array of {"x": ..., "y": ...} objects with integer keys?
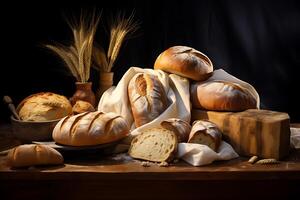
[{"x": 148, "y": 100}]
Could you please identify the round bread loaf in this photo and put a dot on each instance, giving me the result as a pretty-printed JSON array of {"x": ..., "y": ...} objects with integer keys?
[
  {"x": 44, "y": 106},
  {"x": 147, "y": 98},
  {"x": 90, "y": 128},
  {"x": 186, "y": 62},
  {"x": 33, "y": 154},
  {"x": 82, "y": 106},
  {"x": 206, "y": 133},
  {"x": 221, "y": 96}
]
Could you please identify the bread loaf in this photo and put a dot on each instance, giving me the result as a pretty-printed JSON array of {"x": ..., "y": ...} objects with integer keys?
[
  {"x": 82, "y": 106},
  {"x": 33, "y": 154},
  {"x": 156, "y": 144},
  {"x": 206, "y": 133},
  {"x": 181, "y": 128},
  {"x": 221, "y": 96},
  {"x": 92, "y": 128},
  {"x": 186, "y": 62},
  {"x": 147, "y": 98},
  {"x": 44, "y": 106}
]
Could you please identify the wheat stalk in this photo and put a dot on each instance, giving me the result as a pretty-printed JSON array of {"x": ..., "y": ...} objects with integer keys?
[
  {"x": 78, "y": 55},
  {"x": 120, "y": 29}
]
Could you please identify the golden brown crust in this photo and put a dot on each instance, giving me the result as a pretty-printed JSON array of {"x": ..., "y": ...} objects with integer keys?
[
  {"x": 202, "y": 129},
  {"x": 44, "y": 106},
  {"x": 186, "y": 62},
  {"x": 178, "y": 126},
  {"x": 91, "y": 128},
  {"x": 147, "y": 98},
  {"x": 82, "y": 106},
  {"x": 33, "y": 154},
  {"x": 221, "y": 96}
]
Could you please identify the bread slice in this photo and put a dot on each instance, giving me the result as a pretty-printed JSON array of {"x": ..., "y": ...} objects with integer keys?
[{"x": 156, "y": 144}]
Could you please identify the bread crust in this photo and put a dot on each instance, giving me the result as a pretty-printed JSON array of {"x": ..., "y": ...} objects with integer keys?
[
  {"x": 33, "y": 154},
  {"x": 147, "y": 98},
  {"x": 44, "y": 106},
  {"x": 185, "y": 61},
  {"x": 90, "y": 128},
  {"x": 205, "y": 128},
  {"x": 181, "y": 128},
  {"x": 221, "y": 96}
]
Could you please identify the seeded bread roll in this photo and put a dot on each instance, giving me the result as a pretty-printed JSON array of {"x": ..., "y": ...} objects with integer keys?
[
  {"x": 221, "y": 96},
  {"x": 156, "y": 144},
  {"x": 92, "y": 128},
  {"x": 82, "y": 106},
  {"x": 33, "y": 154},
  {"x": 147, "y": 98},
  {"x": 178, "y": 126},
  {"x": 44, "y": 106},
  {"x": 186, "y": 62},
  {"x": 206, "y": 133}
]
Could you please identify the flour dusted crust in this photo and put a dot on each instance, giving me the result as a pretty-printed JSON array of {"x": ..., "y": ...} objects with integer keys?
[
  {"x": 221, "y": 96},
  {"x": 33, "y": 154},
  {"x": 147, "y": 98},
  {"x": 44, "y": 106},
  {"x": 206, "y": 133},
  {"x": 185, "y": 61},
  {"x": 90, "y": 128}
]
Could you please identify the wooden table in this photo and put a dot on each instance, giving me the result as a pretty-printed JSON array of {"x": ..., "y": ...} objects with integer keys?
[{"x": 106, "y": 177}]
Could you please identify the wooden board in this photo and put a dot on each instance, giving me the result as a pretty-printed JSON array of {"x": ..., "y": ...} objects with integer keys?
[{"x": 253, "y": 132}]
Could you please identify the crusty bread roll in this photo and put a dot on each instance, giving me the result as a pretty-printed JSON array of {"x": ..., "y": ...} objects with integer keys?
[
  {"x": 181, "y": 128},
  {"x": 221, "y": 96},
  {"x": 44, "y": 106},
  {"x": 33, "y": 154},
  {"x": 186, "y": 62},
  {"x": 82, "y": 106},
  {"x": 147, "y": 98},
  {"x": 90, "y": 128},
  {"x": 156, "y": 144},
  {"x": 206, "y": 133}
]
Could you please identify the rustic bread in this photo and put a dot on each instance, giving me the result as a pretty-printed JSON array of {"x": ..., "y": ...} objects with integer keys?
[
  {"x": 186, "y": 62},
  {"x": 33, "y": 154},
  {"x": 44, "y": 106},
  {"x": 90, "y": 128},
  {"x": 147, "y": 98},
  {"x": 181, "y": 128},
  {"x": 206, "y": 133},
  {"x": 221, "y": 96},
  {"x": 82, "y": 106},
  {"x": 156, "y": 144}
]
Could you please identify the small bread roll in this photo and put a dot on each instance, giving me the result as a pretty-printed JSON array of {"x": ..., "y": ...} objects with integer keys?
[
  {"x": 82, "y": 106},
  {"x": 221, "y": 96},
  {"x": 33, "y": 154},
  {"x": 147, "y": 98},
  {"x": 185, "y": 61},
  {"x": 178, "y": 126},
  {"x": 206, "y": 133}
]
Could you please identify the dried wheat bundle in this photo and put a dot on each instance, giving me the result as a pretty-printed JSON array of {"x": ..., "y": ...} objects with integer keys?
[
  {"x": 120, "y": 28},
  {"x": 78, "y": 55}
]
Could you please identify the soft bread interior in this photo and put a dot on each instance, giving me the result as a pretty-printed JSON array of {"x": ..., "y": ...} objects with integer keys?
[{"x": 157, "y": 145}]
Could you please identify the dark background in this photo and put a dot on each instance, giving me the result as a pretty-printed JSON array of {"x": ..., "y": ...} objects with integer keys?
[{"x": 256, "y": 41}]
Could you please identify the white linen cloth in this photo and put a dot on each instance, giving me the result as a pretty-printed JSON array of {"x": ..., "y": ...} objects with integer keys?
[
  {"x": 177, "y": 89},
  {"x": 295, "y": 138}
]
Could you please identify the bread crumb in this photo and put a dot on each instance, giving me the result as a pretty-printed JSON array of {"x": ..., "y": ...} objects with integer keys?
[
  {"x": 145, "y": 163},
  {"x": 163, "y": 164}
]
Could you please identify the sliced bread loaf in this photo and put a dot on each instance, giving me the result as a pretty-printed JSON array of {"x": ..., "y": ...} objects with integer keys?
[{"x": 156, "y": 144}]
